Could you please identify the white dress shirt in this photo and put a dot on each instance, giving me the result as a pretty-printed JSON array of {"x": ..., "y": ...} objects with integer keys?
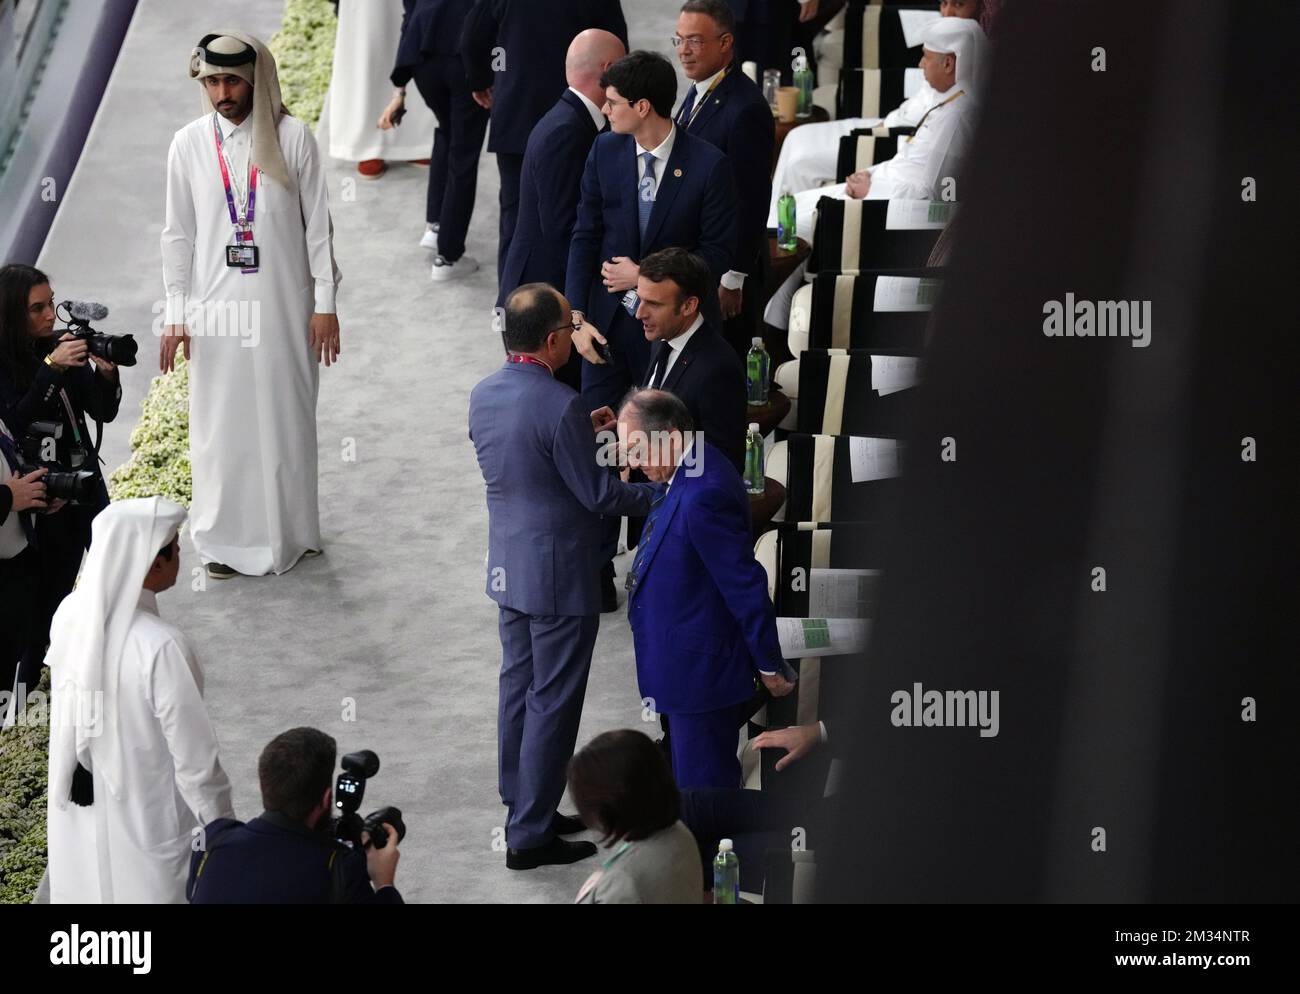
[
  {"x": 676, "y": 345},
  {"x": 597, "y": 117}
]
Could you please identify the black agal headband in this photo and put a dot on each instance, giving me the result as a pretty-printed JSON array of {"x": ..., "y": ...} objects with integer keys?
[{"x": 249, "y": 54}]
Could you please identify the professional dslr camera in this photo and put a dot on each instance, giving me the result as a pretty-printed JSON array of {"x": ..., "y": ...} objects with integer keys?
[
  {"x": 117, "y": 349},
  {"x": 349, "y": 789},
  {"x": 73, "y": 484}
]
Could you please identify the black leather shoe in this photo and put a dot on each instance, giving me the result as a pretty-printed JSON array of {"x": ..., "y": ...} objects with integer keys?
[
  {"x": 557, "y": 852},
  {"x": 608, "y": 592},
  {"x": 567, "y": 824}
]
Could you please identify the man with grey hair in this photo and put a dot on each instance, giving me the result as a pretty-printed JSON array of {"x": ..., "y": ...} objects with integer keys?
[
  {"x": 703, "y": 626},
  {"x": 248, "y": 268}
]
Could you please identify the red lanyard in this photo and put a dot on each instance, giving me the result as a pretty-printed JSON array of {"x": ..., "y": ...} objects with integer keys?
[
  {"x": 242, "y": 223},
  {"x": 530, "y": 359}
]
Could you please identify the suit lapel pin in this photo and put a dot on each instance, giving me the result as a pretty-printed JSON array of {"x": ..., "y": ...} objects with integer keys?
[{"x": 677, "y": 173}]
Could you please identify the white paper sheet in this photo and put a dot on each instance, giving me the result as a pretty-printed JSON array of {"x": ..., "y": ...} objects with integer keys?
[
  {"x": 802, "y": 638},
  {"x": 914, "y": 23},
  {"x": 917, "y": 215},
  {"x": 905, "y": 293},
  {"x": 872, "y": 459},
  {"x": 892, "y": 373},
  {"x": 842, "y": 593}
]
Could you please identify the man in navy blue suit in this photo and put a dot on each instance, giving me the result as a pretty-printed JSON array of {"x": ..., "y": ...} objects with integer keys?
[
  {"x": 513, "y": 52},
  {"x": 553, "y": 161},
  {"x": 703, "y": 625},
  {"x": 687, "y": 355},
  {"x": 536, "y": 447},
  {"x": 726, "y": 108},
  {"x": 647, "y": 185}
]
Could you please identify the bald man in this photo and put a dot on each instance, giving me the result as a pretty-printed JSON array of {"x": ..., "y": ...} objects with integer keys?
[{"x": 552, "y": 172}]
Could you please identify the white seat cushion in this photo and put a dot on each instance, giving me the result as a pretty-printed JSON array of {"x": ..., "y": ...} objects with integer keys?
[{"x": 800, "y": 320}]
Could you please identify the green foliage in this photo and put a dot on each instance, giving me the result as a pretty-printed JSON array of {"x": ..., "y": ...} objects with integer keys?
[
  {"x": 160, "y": 443},
  {"x": 304, "y": 56},
  {"x": 159, "y": 464},
  {"x": 24, "y": 761}
]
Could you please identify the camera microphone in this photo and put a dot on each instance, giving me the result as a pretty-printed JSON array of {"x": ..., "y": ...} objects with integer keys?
[{"x": 86, "y": 310}]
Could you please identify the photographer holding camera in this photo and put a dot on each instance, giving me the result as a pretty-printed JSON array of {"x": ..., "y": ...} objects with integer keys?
[
  {"x": 20, "y": 494},
  {"x": 53, "y": 382},
  {"x": 293, "y": 853}
]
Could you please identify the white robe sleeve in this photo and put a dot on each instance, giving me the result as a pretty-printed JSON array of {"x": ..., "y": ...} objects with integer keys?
[
  {"x": 177, "y": 698},
  {"x": 178, "y": 236},
  {"x": 313, "y": 196}
]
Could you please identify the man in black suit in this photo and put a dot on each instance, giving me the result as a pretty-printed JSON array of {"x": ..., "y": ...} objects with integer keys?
[
  {"x": 553, "y": 161},
  {"x": 726, "y": 108},
  {"x": 514, "y": 53},
  {"x": 687, "y": 355}
]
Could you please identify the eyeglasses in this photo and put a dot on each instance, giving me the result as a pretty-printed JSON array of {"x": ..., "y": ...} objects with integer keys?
[
  {"x": 574, "y": 325},
  {"x": 610, "y": 103},
  {"x": 694, "y": 42}
]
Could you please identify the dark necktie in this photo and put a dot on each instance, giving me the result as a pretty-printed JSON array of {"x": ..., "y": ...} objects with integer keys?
[
  {"x": 646, "y": 192},
  {"x": 684, "y": 115},
  {"x": 643, "y": 545},
  {"x": 658, "y": 366}
]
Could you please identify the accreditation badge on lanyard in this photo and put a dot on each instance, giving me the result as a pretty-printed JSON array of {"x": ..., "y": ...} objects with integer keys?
[{"x": 243, "y": 254}]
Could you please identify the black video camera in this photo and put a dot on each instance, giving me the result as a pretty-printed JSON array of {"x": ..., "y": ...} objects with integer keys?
[
  {"x": 74, "y": 484},
  {"x": 349, "y": 789},
  {"x": 117, "y": 349}
]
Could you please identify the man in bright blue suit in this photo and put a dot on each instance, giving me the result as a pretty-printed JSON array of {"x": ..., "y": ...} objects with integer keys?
[
  {"x": 536, "y": 447},
  {"x": 726, "y": 108},
  {"x": 702, "y": 623},
  {"x": 648, "y": 185}
]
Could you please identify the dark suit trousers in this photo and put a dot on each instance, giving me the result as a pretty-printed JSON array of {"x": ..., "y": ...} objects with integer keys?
[
  {"x": 510, "y": 167},
  {"x": 704, "y": 748},
  {"x": 457, "y": 141},
  {"x": 20, "y": 600},
  {"x": 544, "y": 667},
  {"x": 741, "y": 330}
]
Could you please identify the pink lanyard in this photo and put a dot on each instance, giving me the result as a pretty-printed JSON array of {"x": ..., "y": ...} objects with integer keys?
[{"x": 243, "y": 225}]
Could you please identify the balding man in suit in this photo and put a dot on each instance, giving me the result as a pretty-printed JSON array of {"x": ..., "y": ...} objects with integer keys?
[{"x": 536, "y": 446}]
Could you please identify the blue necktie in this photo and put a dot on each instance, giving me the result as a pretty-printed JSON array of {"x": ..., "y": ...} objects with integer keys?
[
  {"x": 646, "y": 192},
  {"x": 643, "y": 546},
  {"x": 684, "y": 115}
]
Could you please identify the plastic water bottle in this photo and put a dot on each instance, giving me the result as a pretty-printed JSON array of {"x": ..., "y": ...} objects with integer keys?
[
  {"x": 755, "y": 472},
  {"x": 787, "y": 239},
  {"x": 756, "y": 373},
  {"x": 803, "y": 78},
  {"x": 726, "y": 875}
]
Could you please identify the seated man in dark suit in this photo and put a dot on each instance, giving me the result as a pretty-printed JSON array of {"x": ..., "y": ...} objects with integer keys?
[
  {"x": 552, "y": 170},
  {"x": 726, "y": 108},
  {"x": 703, "y": 625},
  {"x": 646, "y": 186},
  {"x": 687, "y": 355}
]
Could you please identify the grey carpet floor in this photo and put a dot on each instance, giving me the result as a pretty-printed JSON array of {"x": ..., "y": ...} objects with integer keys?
[{"x": 390, "y": 628}]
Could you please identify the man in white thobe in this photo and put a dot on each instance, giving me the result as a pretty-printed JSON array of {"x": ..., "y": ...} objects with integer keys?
[
  {"x": 367, "y": 37},
  {"x": 133, "y": 759},
  {"x": 248, "y": 267},
  {"x": 810, "y": 152},
  {"x": 954, "y": 61}
]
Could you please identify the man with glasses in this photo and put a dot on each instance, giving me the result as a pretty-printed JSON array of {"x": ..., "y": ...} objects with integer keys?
[
  {"x": 726, "y": 108},
  {"x": 546, "y": 491}
]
